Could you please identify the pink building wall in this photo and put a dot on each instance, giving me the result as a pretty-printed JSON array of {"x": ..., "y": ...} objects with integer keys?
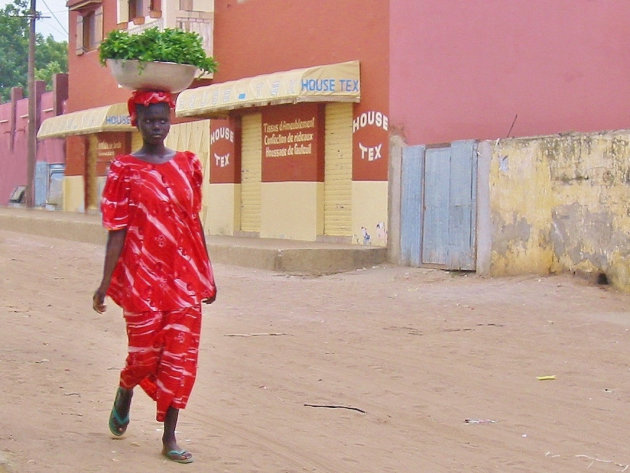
[
  {"x": 13, "y": 139},
  {"x": 465, "y": 70}
]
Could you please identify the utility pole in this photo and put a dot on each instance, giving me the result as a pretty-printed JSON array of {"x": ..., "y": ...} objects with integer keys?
[{"x": 32, "y": 110}]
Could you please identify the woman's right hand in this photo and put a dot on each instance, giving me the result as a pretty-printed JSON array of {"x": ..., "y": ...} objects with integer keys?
[{"x": 98, "y": 301}]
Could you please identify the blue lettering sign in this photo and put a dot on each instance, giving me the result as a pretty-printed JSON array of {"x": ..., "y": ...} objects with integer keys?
[
  {"x": 349, "y": 85},
  {"x": 318, "y": 85},
  {"x": 118, "y": 120}
]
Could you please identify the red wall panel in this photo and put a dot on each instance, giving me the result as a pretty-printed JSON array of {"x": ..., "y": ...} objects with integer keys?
[
  {"x": 292, "y": 143},
  {"x": 225, "y": 151}
]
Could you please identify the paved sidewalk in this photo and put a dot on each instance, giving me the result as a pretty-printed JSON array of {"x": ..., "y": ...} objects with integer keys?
[{"x": 272, "y": 254}]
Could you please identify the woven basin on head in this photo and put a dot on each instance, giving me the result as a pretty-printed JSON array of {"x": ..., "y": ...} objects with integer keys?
[{"x": 167, "y": 76}]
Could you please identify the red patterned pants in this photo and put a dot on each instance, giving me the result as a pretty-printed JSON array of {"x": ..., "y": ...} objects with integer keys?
[{"x": 162, "y": 355}]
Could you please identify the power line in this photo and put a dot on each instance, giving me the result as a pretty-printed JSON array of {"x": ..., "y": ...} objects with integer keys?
[
  {"x": 55, "y": 17},
  {"x": 39, "y": 16}
]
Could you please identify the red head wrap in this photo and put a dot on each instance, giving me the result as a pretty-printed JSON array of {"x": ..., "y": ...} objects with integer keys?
[{"x": 146, "y": 98}]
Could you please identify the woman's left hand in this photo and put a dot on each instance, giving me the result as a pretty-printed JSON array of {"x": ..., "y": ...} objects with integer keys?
[
  {"x": 209, "y": 300},
  {"x": 98, "y": 301}
]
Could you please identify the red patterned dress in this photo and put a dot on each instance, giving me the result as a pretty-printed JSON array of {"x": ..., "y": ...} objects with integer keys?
[{"x": 163, "y": 272}]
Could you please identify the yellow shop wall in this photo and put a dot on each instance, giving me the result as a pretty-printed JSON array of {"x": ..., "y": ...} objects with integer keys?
[
  {"x": 221, "y": 214},
  {"x": 73, "y": 194},
  {"x": 292, "y": 210},
  {"x": 369, "y": 212}
]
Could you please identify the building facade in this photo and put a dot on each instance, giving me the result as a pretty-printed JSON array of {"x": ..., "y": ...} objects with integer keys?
[
  {"x": 97, "y": 126},
  {"x": 50, "y": 154},
  {"x": 509, "y": 137},
  {"x": 389, "y": 122},
  {"x": 299, "y": 120},
  {"x": 303, "y": 157}
]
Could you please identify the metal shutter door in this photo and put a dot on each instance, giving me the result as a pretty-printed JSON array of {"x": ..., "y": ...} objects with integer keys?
[
  {"x": 338, "y": 170},
  {"x": 136, "y": 140},
  {"x": 251, "y": 159}
]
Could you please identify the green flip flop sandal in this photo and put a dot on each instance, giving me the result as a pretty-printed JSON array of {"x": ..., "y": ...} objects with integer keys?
[
  {"x": 179, "y": 456},
  {"x": 117, "y": 426}
]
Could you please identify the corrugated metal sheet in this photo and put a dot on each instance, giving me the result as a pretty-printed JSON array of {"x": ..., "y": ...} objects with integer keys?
[
  {"x": 251, "y": 168},
  {"x": 92, "y": 197},
  {"x": 338, "y": 170},
  {"x": 191, "y": 136}
]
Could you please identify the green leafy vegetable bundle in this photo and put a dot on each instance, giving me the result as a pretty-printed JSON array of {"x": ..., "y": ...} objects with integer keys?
[{"x": 153, "y": 45}]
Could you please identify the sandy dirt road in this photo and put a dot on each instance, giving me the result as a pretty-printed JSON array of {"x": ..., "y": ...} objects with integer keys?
[{"x": 418, "y": 351}]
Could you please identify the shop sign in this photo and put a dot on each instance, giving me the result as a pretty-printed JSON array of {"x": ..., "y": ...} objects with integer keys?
[
  {"x": 327, "y": 83},
  {"x": 107, "y": 151},
  {"x": 224, "y": 149},
  {"x": 370, "y": 133},
  {"x": 110, "y": 145},
  {"x": 292, "y": 144},
  {"x": 118, "y": 120}
]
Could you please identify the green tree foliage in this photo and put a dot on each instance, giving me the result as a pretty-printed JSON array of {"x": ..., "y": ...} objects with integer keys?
[{"x": 51, "y": 56}]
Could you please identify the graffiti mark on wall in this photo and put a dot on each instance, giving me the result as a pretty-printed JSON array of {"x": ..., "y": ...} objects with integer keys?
[{"x": 378, "y": 236}]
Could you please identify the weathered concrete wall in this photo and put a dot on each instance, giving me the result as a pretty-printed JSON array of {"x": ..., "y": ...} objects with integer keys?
[{"x": 561, "y": 203}]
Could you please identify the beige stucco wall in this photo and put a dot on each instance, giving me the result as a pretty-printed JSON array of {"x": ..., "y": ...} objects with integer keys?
[
  {"x": 73, "y": 194},
  {"x": 292, "y": 210},
  {"x": 561, "y": 203},
  {"x": 222, "y": 206},
  {"x": 369, "y": 212}
]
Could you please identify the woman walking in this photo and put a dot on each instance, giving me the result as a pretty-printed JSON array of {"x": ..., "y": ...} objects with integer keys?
[{"x": 156, "y": 267}]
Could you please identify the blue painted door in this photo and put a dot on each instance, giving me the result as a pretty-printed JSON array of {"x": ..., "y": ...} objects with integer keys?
[
  {"x": 438, "y": 206},
  {"x": 41, "y": 183},
  {"x": 412, "y": 170},
  {"x": 435, "y": 226}
]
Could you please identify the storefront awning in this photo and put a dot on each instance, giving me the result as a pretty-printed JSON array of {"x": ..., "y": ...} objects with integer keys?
[
  {"x": 328, "y": 83},
  {"x": 93, "y": 120}
]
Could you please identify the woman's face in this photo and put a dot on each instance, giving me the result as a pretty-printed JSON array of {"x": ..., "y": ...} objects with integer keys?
[{"x": 154, "y": 122}]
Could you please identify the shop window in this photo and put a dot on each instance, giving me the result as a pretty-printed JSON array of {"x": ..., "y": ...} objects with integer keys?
[{"x": 89, "y": 28}]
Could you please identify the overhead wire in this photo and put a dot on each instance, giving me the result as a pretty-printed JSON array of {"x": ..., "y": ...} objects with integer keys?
[{"x": 63, "y": 28}]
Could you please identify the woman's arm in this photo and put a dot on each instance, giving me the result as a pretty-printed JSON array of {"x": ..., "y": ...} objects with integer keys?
[
  {"x": 115, "y": 241},
  {"x": 208, "y": 300}
]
